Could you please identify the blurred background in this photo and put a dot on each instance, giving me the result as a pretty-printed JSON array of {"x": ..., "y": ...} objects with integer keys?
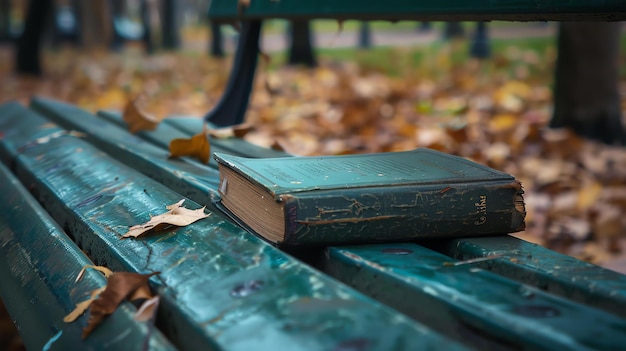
[{"x": 542, "y": 101}]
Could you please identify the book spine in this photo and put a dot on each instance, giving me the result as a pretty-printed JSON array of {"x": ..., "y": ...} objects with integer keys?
[{"x": 399, "y": 213}]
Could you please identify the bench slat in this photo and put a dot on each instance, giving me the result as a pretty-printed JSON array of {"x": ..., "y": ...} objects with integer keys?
[
  {"x": 462, "y": 298},
  {"x": 533, "y": 264},
  {"x": 220, "y": 286},
  {"x": 420, "y": 10},
  {"x": 187, "y": 177},
  {"x": 11, "y": 126},
  {"x": 38, "y": 267}
]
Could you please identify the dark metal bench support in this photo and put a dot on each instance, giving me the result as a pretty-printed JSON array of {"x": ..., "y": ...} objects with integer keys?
[{"x": 231, "y": 108}]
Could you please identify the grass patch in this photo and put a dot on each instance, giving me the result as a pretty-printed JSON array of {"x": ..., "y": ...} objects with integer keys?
[{"x": 396, "y": 61}]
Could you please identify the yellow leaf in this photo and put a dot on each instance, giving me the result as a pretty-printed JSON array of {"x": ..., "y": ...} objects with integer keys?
[
  {"x": 502, "y": 122},
  {"x": 176, "y": 216},
  {"x": 138, "y": 120},
  {"x": 589, "y": 195},
  {"x": 197, "y": 146}
]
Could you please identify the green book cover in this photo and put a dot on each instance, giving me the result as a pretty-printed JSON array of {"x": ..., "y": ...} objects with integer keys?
[{"x": 369, "y": 197}]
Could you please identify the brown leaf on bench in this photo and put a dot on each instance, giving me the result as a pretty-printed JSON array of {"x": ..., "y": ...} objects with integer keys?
[
  {"x": 177, "y": 216},
  {"x": 197, "y": 146},
  {"x": 138, "y": 120},
  {"x": 120, "y": 286}
]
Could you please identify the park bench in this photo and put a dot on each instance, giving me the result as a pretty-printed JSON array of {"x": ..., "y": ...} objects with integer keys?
[
  {"x": 73, "y": 182},
  {"x": 233, "y": 105}
]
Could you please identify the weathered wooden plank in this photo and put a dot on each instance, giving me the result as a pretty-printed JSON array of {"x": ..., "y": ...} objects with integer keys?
[
  {"x": 38, "y": 269},
  {"x": 186, "y": 176},
  {"x": 548, "y": 270},
  {"x": 418, "y": 10},
  {"x": 470, "y": 304},
  {"x": 11, "y": 125},
  {"x": 220, "y": 286}
]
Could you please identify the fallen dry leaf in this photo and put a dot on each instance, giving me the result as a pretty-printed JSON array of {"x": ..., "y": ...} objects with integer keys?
[
  {"x": 588, "y": 195},
  {"x": 197, "y": 146},
  {"x": 176, "y": 216},
  {"x": 81, "y": 307},
  {"x": 120, "y": 286},
  {"x": 107, "y": 272},
  {"x": 138, "y": 120}
]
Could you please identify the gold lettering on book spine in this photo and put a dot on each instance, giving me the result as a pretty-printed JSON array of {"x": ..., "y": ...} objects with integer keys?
[{"x": 481, "y": 209}]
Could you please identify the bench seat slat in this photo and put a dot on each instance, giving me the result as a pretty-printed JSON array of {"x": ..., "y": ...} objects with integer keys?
[
  {"x": 38, "y": 268},
  {"x": 533, "y": 264},
  {"x": 420, "y": 10},
  {"x": 220, "y": 286},
  {"x": 188, "y": 177},
  {"x": 11, "y": 126},
  {"x": 463, "y": 298}
]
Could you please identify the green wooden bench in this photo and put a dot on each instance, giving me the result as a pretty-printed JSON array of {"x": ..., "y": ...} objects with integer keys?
[
  {"x": 73, "y": 182},
  {"x": 231, "y": 109}
]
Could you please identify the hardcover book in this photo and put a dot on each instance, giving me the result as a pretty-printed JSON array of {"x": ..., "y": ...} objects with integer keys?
[{"x": 367, "y": 198}]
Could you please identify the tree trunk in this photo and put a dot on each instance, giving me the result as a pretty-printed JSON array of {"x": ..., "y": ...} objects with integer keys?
[
  {"x": 171, "y": 37},
  {"x": 586, "y": 96},
  {"x": 28, "y": 60},
  {"x": 301, "y": 52},
  {"x": 96, "y": 22},
  {"x": 217, "y": 39},
  {"x": 365, "y": 35},
  {"x": 453, "y": 30},
  {"x": 5, "y": 21},
  {"x": 479, "y": 47}
]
